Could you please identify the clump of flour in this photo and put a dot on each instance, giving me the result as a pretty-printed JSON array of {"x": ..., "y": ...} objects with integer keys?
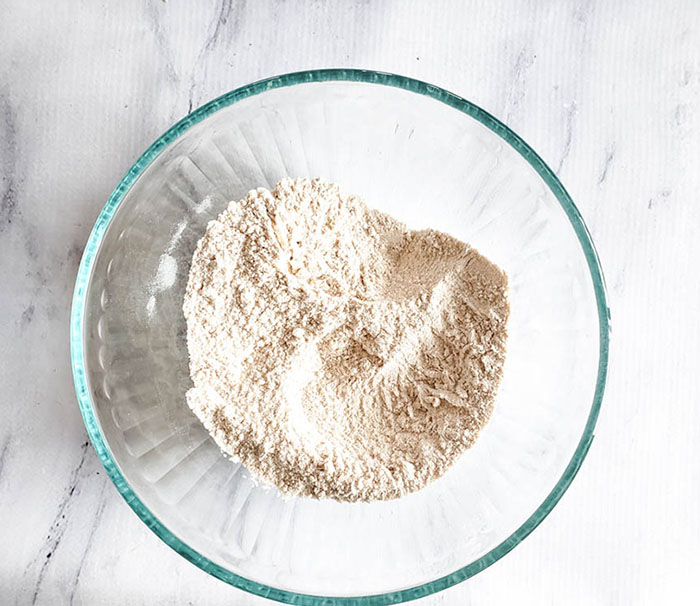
[{"x": 336, "y": 353}]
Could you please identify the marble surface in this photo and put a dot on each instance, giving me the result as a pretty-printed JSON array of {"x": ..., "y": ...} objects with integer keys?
[{"x": 607, "y": 92}]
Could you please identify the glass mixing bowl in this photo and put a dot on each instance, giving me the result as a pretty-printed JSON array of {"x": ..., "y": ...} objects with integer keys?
[{"x": 430, "y": 159}]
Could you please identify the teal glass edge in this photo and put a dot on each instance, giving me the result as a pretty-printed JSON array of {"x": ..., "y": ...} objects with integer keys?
[{"x": 85, "y": 271}]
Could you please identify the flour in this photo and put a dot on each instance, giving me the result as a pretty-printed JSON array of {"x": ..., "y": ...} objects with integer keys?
[
  {"x": 166, "y": 274},
  {"x": 336, "y": 353}
]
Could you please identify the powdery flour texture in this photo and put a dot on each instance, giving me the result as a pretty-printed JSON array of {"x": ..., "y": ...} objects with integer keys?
[{"x": 336, "y": 353}]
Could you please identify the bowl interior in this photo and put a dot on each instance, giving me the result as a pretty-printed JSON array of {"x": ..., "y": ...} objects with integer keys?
[{"x": 427, "y": 164}]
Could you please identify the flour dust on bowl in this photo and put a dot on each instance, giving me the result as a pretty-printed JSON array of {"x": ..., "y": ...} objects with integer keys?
[{"x": 429, "y": 159}]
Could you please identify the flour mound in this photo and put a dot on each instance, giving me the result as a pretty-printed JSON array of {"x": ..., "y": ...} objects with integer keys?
[{"x": 335, "y": 353}]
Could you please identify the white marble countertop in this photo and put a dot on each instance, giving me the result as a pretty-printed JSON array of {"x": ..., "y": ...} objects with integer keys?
[{"x": 607, "y": 92}]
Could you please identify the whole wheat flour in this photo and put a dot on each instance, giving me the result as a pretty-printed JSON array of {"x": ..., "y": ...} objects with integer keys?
[{"x": 335, "y": 353}]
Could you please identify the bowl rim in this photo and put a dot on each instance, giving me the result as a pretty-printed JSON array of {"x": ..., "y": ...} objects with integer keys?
[{"x": 77, "y": 321}]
